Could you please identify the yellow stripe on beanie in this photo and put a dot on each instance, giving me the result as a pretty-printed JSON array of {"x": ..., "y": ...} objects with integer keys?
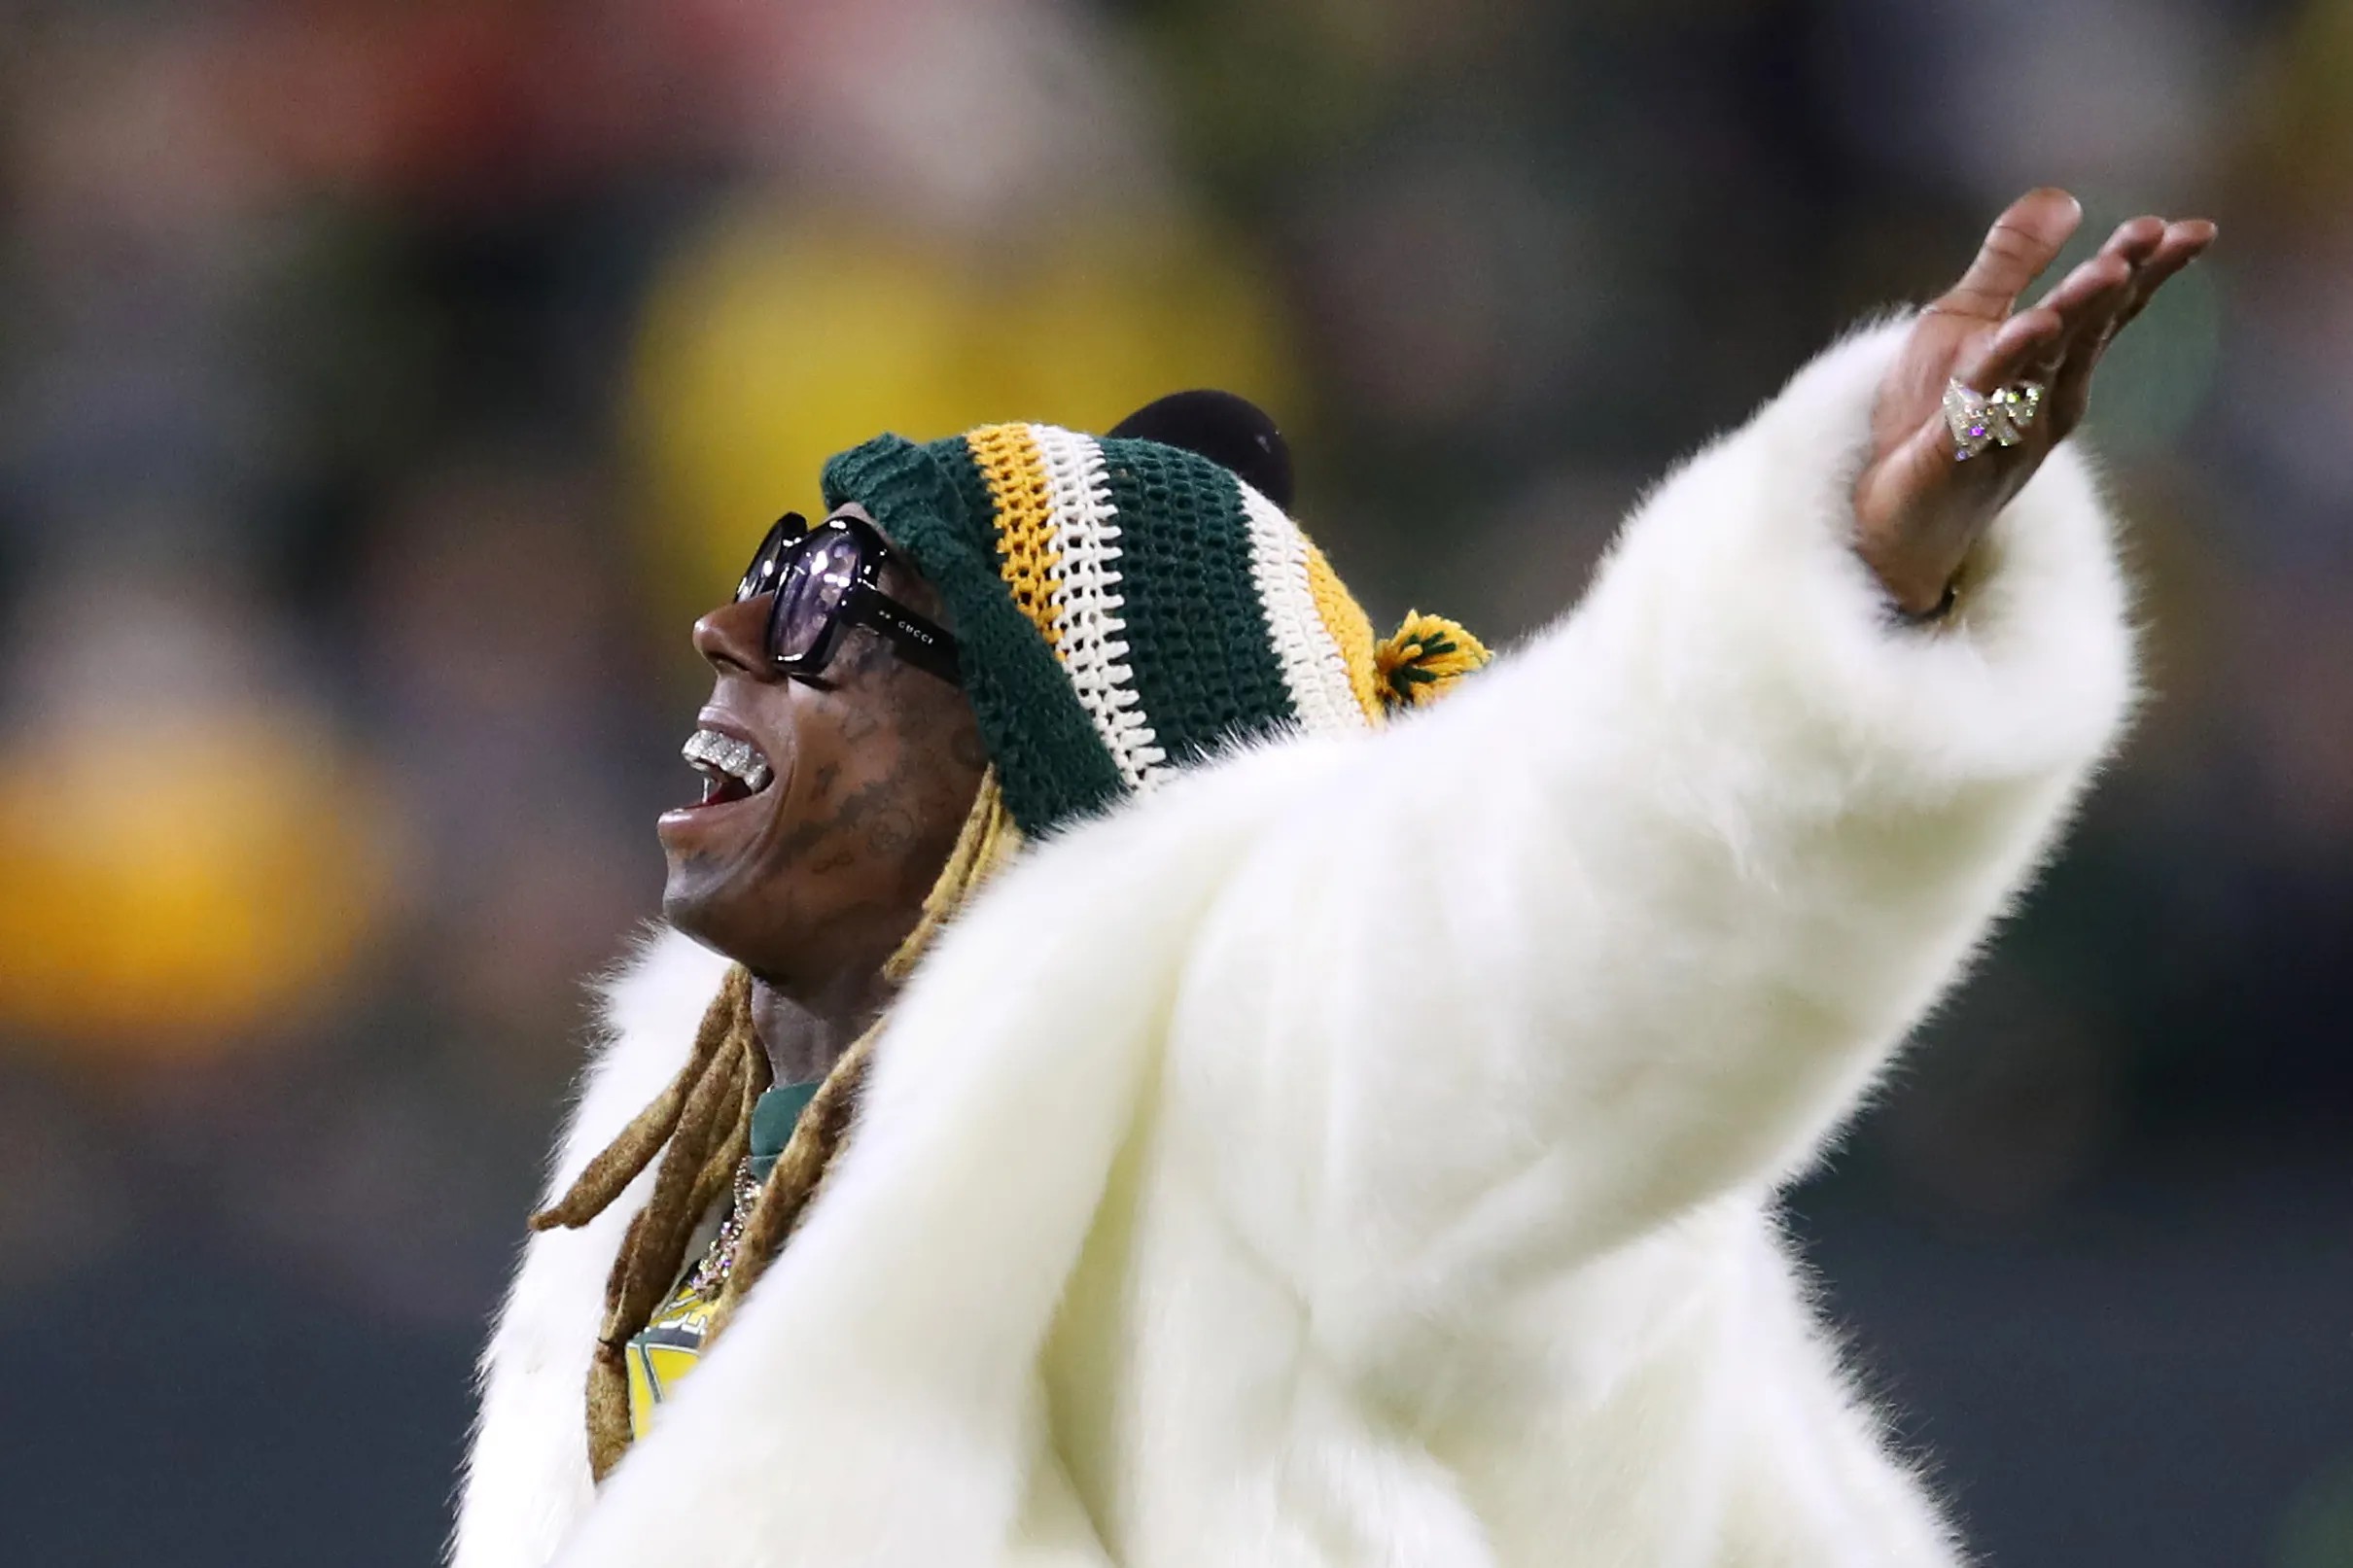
[
  {"x": 1015, "y": 471},
  {"x": 1346, "y": 622}
]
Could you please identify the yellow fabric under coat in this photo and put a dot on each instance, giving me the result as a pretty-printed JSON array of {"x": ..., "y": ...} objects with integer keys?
[{"x": 672, "y": 1344}]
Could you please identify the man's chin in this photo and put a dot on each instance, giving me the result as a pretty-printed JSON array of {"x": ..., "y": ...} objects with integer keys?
[{"x": 700, "y": 910}]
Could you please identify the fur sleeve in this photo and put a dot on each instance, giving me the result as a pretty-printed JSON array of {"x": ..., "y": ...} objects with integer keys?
[{"x": 1632, "y": 920}]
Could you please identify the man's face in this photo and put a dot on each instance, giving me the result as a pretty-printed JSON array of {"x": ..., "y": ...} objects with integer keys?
[{"x": 812, "y": 880}]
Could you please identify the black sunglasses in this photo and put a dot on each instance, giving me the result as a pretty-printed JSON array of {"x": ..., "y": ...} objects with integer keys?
[{"x": 829, "y": 577}]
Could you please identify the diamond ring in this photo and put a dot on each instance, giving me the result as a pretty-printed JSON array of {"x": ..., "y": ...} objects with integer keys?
[{"x": 2001, "y": 417}]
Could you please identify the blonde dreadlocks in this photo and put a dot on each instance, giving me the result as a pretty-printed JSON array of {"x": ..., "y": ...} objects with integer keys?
[{"x": 700, "y": 1126}]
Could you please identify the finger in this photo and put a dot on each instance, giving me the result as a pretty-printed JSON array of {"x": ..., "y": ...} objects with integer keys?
[
  {"x": 2183, "y": 243},
  {"x": 2029, "y": 338},
  {"x": 2019, "y": 245},
  {"x": 2089, "y": 289},
  {"x": 2135, "y": 239},
  {"x": 2046, "y": 344},
  {"x": 2087, "y": 299},
  {"x": 2070, "y": 392},
  {"x": 2178, "y": 244}
]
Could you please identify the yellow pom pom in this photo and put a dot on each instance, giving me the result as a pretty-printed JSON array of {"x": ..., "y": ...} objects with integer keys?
[{"x": 1425, "y": 657}]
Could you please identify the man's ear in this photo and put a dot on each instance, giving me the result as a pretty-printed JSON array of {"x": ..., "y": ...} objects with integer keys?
[{"x": 1231, "y": 432}]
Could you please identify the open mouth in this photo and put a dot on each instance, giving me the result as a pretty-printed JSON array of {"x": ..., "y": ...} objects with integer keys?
[{"x": 733, "y": 769}]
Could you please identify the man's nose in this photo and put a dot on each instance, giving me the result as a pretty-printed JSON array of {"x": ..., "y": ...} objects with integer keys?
[{"x": 734, "y": 638}]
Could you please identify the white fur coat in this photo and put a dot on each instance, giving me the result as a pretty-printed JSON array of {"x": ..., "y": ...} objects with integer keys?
[{"x": 1364, "y": 1152}]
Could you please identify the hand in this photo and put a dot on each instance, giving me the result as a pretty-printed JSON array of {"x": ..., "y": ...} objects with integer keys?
[{"x": 1918, "y": 511}]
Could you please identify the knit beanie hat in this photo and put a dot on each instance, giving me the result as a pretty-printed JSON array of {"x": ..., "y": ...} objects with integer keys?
[{"x": 1125, "y": 607}]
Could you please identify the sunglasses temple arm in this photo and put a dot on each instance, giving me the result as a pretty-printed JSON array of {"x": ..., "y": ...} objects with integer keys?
[{"x": 919, "y": 640}]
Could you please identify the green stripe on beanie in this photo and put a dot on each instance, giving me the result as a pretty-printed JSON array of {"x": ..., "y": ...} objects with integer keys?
[
  {"x": 1202, "y": 663},
  {"x": 933, "y": 504}
]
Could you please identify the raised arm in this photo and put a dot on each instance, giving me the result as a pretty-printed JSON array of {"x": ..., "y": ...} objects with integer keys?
[
  {"x": 1633, "y": 921},
  {"x": 1626, "y": 924}
]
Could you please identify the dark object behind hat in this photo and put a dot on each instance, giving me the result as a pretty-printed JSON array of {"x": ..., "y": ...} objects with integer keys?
[{"x": 1231, "y": 432}]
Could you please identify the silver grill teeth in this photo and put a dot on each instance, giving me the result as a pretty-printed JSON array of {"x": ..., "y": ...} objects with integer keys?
[{"x": 736, "y": 758}]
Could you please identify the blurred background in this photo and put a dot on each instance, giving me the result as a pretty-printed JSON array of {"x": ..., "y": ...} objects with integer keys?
[{"x": 385, "y": 384}]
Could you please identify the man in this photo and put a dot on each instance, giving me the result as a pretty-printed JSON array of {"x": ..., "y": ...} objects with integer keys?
[{"x": 1327, "y": 1138}]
